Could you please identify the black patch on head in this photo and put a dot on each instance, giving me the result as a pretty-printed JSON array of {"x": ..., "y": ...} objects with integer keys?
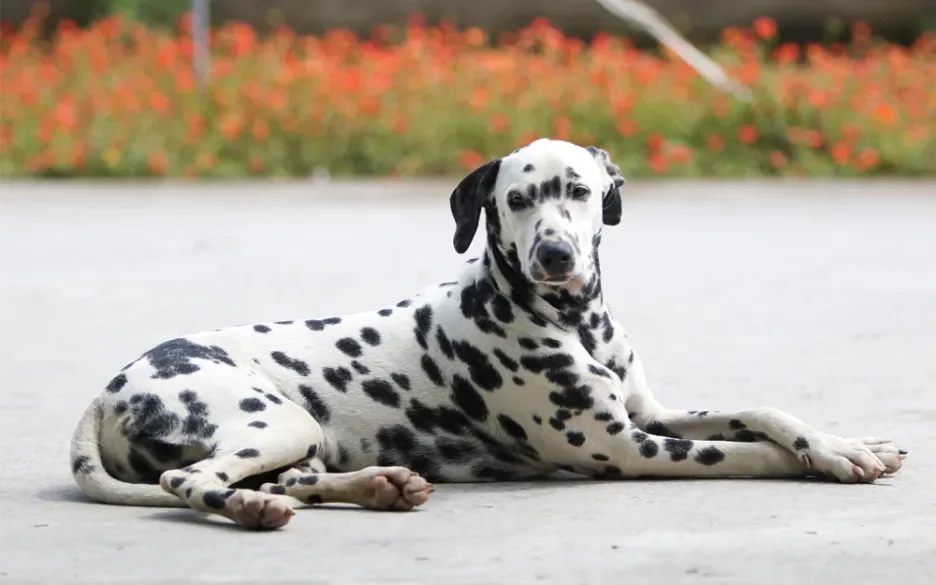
[
  {"x": 252, "y": 405},
  {"x": 402, "y": 380},
  {"x": 677, "y": 448},
  {"x": 296, "y": 365},
  {"x": 801, "y": 444},
  {"x": 248, "y": 453},
  {"x": 216, "y": 499},
  {"x": 432, "y": 371},
  {"x": 261, "y": 329},
  {"x": 117, "y": 383},
  {"x": 528, "y": 168},
  {"x": 349, "y": 347},
  {"x": 359, "y": 367},
  {"x": 370, "y": 336},
  {"x": 337, "y": 377},
  {"x": 381, "y": 391},
  {"x": 467, "y": 398},
  {"x": 315, "y": 405},
  {"x": 511, "y": 427},
  {"x": 483, "y": 373},
  {"x": 571, "y": 174},
  {"x": 385, "y": 312},
  {"x": 82, "y": 464},
  {"x": 575, "y": 438},
  {"x": 710, "y": 456},
  {"x": 174, "y": 357}
]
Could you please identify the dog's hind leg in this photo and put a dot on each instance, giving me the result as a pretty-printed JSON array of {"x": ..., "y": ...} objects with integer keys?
[{"x": 244, "y": 449}]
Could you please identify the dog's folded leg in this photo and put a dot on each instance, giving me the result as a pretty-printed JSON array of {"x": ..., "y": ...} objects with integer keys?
[{"x": 378, "y": 488}]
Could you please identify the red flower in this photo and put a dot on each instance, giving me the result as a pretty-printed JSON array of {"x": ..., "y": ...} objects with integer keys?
[
  {"x": 471, "y": 159},
  {"x": 766, "y": 28},
  {"x": 747, "y": 133}
]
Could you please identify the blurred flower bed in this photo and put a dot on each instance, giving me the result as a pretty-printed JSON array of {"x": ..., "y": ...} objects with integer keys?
[{"x": 122, "y": 100}]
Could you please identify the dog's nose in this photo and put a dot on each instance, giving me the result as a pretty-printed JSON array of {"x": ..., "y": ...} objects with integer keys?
[{"x": 556, "y": 258}]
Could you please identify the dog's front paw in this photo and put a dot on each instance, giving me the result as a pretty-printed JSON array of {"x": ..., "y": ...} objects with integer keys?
[
  {"x": 848, "y": 461},
  {"x": 885, "y": 450}
]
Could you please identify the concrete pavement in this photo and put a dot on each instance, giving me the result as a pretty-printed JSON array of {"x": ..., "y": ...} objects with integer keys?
[{"x": 818, "y": 298}]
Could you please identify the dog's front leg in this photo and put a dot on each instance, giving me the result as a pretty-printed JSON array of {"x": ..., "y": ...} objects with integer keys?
[{"x": 818, "y": 450}]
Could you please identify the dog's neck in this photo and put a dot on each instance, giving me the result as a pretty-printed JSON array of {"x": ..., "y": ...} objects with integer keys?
[{"x": 571, "y": 306}]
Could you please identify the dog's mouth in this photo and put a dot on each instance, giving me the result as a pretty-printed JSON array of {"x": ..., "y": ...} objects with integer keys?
[{"x": 539, "y": 277}]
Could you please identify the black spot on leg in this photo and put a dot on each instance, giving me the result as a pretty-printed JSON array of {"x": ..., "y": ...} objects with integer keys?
[
  {"x": 370, "y": 336},
  {"x": 710, "y": 456},
  {"x": 247, "y": 453},
  {"x": 381, "y": 391},
  {"x": 511, "y": 427},
  {"x": 175, "y": 482},
  {"x": 659, "y": 429},
  {"x": 278, "y": 490},
  {"x": 252, "y": 405},
  {"x": 677, "y": 448},
  {"x": 296, "y": 365},
  {"x": 216, "y": 499},
  {"x": 308, "y": 480},
  {"x": 349, "y": 347},
  {"x": 116, "y": 384},
  {"x": 614, "y": 428},
  {"x": 801, "y": 444}
]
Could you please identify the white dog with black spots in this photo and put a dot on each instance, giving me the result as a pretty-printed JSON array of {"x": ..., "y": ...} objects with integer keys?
[{"x": 513, "y": 370}]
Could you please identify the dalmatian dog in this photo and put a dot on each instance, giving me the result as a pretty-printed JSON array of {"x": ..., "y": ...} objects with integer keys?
[{"x": 512, "y": 370}]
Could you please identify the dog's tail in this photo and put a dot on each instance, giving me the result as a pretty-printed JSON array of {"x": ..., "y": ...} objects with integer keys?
[{"x": 90, "y": 475}]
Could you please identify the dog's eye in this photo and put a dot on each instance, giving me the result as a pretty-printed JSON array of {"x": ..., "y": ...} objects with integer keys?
[
  {"x": 516, "y": 200},
  {"x": 580, "y": 192}
]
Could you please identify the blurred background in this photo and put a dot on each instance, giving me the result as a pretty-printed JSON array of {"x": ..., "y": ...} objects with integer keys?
[{"x": 291, "y": 88}]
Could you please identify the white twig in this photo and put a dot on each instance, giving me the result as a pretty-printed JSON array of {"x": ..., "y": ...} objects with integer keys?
[{"x": 652, "y": 22}]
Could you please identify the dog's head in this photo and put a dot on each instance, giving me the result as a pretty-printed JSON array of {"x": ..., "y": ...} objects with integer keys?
[{"x": 545, "y": 204}]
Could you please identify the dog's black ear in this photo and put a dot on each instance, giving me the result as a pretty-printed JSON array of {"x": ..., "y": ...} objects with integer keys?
[
  {"x": 468, "y": 198},
  {"x": 611, "y": 201}
]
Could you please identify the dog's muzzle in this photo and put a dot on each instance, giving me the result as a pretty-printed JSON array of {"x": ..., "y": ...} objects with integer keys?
[{"x": 554, "y": 261}]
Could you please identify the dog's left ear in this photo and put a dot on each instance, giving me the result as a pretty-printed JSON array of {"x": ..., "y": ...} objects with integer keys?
[
  {"x": 611, "y": 201},
  {"x": 467, "y": 200}
]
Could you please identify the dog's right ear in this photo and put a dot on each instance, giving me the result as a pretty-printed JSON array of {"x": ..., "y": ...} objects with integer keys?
[{"x": 467, "y": 200}]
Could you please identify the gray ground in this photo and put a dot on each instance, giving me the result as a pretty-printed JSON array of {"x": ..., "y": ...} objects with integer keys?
[{"x": 811, "y": 297}]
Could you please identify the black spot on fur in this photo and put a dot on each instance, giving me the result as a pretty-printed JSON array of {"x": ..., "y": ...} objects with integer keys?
[
  {"x": 222, "y": 476},
  {"x": 710, "y": 456},
  {"x": 261, "y": 329},
  {"x": 359, "y": 367},
  {"x": 505, "y": 360},
  {"x": 528, "y": 168},
  {"x": 174, "y": 357},
  {"x": 554, "y": 361},
  {"x": 432, "y": 371},
  {"x": 482, "y": 372},
  {"x": 537, "y": 419},
  {"x": 319, "y": 324},
  {"x": 216, "y": 499},
  {"x": 308, "y": 480},
  {"x": 468, "y": 399},
  {"x": 587, "y": 339},
  {"x": 296, "y": 365},
  {"x": 273, "y": 398},
  {"x": 502, "y": 309},
  {"x": 349, "y": 347},
  {"x": 121, "y": 407},
  {"x": 315, "y": 405},
  {"x": 149, "y": 418},
  {"x": 284, "y": 322},
  {"x": 575, "y": 438},
  {"x": 511, "y": 427},
  {"x": 257, "y": 424},
  {"x": 337, "y": 377},
  {"x": 402, "y": 380},
  {"x": 117, "y": 383},
  {"x": 600, "y": 457},
  {"x": 527, "y": 343},
  {"x": 278, "y": 489},
  {"x": 444, "y": 344},
  {"x": 176, "y": 482},
  {"x": 311, "y": 451},
  {"x": 736, "y": 424},
  {"x": 551, "y": 343},
  {"x": 598, "y": 371},
  {"x": 370, "y": 336},
  {"x": 575, "y": 397},
  {"x": 381, "y": 391},
  {"x": 82, "y": 464},
  {"x": 518, "y": 381},
  {"x": 196, "y": 423},
  {"x": 252, "y": 405},
  {"x": 556, "y": 424},
  {"x": 248, "y": 453},
  {"x": 801, "y": 444},
  {"x": 385, "y": 312},
  {"x": 423, "y": 316},
  {"x": 659, "y": 429},
  {"x": 604, "y": 416},
  {"x": 614, "y": 428},
  {"x": 404, "y": 303},
  {"x": 677, "y": 448}
]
